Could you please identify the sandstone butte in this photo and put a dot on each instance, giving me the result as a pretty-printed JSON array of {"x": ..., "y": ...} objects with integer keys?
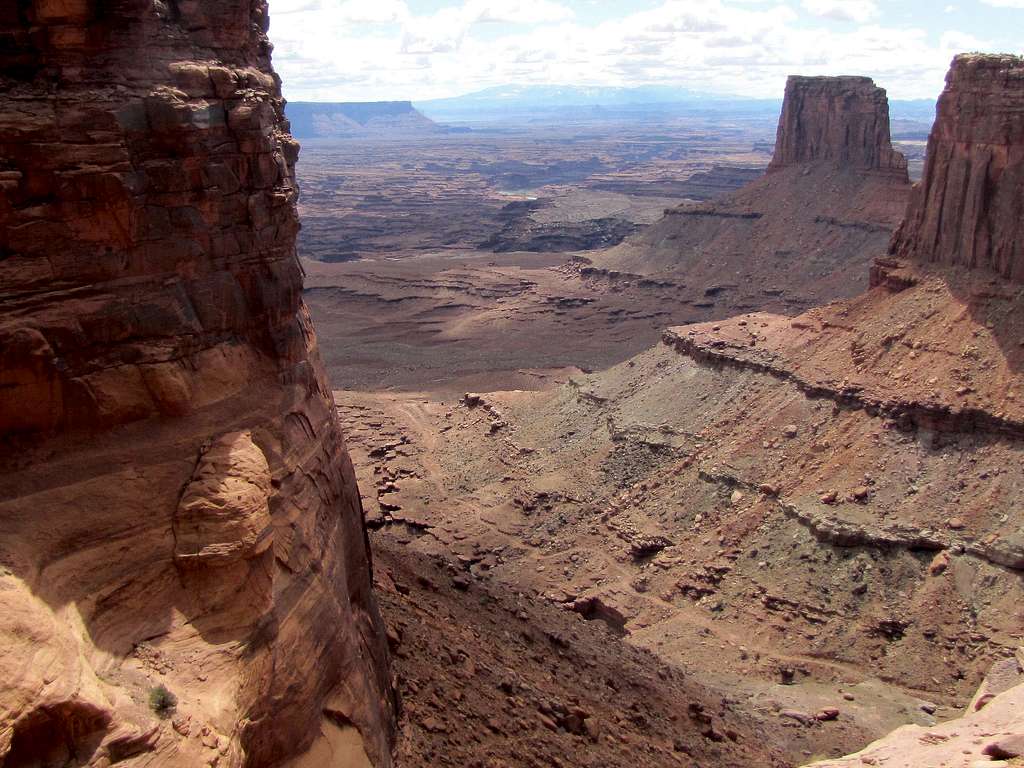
[
  {"x": 807, "y": 231},
  {"x": 844, "y": 120},
  {"x": 177, "y": 507},
  {"x": 969, "y": 209}
]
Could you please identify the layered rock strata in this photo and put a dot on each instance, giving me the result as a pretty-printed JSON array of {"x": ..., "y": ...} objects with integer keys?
[
  {"x": 803, "y": 234},
  {"x": 844, "y": 120},
  {"x": 185, "y": 576},
  {"x": 968, "y": 209},
  {"x": 830, "y": 501}
]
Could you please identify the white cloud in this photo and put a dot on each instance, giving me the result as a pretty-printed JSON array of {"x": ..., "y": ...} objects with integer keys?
[
  {"x": 446, "y": 30},
  {"x": 1004, "y": 3},
  {"x": 372, "y": 11},
  {"x": 516, "y": 11},
  {"x": 380, "y": 49},
  {"x": 859, "y": 11}
]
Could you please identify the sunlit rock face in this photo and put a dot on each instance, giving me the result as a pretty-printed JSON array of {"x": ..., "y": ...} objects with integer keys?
[
  {"x": 969, "y": 207},
  {"x": 177, "y": 506}
]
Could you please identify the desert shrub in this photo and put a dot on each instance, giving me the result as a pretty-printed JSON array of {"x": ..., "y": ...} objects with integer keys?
[{"x": 162, "y": 701}]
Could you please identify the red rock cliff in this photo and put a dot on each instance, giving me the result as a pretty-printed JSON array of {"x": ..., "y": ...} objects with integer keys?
[
  {"x": 177, "y": 507},
  {"x": 969, "y": 207},
  {"x": 844, "y": 120}
]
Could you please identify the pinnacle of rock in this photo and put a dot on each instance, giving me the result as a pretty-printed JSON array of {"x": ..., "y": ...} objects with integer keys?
[{"x": 843, "y": 120}]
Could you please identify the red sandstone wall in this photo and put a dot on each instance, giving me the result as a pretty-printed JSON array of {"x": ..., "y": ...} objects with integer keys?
[
  {"x": 969, "y": 207},
  {"x": 844, "y": 120},
  {"x": 176, "y": 502}
]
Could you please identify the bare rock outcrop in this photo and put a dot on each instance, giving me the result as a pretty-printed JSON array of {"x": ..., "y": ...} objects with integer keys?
[
  {"x": 968, "y": 209},
  {"x": 801, "y": 235},
  {"x": 989, "y": 734},
  {"x": 184, "y": 572},
  {"x": 843, "y": 120},
  {"x": 224, "y": 514}
]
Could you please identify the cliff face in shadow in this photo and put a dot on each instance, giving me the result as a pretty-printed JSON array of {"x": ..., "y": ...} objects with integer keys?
[
  {"x": 968, "y": 209},
  {"x": 178, "y": 513}
]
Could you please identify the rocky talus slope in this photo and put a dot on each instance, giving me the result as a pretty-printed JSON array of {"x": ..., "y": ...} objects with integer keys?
[
  {"x": 184, "y": 573},
  {"x": 803, "y": 234},
  {"x": 817, "y": 516}
]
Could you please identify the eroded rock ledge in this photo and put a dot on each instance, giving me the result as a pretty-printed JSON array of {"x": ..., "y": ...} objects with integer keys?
[
  {"x": 831, "y": 527},
  {"x": 715, "y": 346}
]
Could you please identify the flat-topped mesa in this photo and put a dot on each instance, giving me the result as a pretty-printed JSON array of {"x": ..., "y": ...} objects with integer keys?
[
  {"x": 180, "y": 528},
  {"x": 968, "y": 209},
  {"x": 842, "y": 120}
]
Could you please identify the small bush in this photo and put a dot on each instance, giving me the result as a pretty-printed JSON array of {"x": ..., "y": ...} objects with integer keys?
[{"x": 162, "y": 701}]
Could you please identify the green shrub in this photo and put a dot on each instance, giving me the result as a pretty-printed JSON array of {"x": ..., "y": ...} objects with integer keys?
[{"x": 162, "y": 701}]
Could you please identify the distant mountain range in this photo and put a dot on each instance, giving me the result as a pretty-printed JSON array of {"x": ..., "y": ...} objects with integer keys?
[
  {"x": 512, "y": 101},
  {"x": 570, "y": 95},
  {"x": 322, "y": 120},
  {"x": 547, "y": 103}
]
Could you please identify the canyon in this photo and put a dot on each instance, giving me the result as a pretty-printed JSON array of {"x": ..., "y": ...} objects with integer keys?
[
  {"x": 811, "y": 515},
  {"x": 619, "y": 448},
  {"x": 444, "y": 280}
]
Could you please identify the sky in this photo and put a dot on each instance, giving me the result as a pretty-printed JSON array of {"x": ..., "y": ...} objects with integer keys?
[{"x": 377, "y": 50}]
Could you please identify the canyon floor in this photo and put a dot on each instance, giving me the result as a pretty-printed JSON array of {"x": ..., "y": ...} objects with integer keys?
[
  {"x": 484, "y": 260},
  {"x": 615, "y": 546},
  {"x": 709, "y": 512}
]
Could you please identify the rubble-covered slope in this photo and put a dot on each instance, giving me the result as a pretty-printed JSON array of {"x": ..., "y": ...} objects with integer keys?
[
  {"x": 185, "y": 574},
  {"x": 819, "y": 514}
]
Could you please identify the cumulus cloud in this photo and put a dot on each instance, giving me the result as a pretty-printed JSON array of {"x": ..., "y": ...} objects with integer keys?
[
  {"x": 372, "y": 11},
  {"x": 383, "y": 49},
  {"x": 516, "y": 11},
  {"x": 859, "y": 11}
]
